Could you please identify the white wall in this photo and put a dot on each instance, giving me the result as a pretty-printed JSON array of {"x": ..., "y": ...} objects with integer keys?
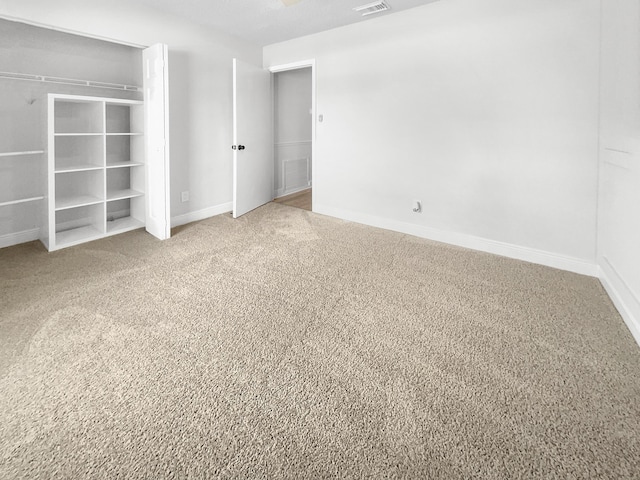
[
  {"x": 619, "y": 216},
  {"x": 292, "y": 104},
  {"x": 486, "y": 111},
  {"x": 292, "y": 130},
  {"x": 200, "y": 87}
]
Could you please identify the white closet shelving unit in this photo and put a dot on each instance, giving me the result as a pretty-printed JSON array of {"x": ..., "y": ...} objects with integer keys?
[{"x": 96, "y": 170}]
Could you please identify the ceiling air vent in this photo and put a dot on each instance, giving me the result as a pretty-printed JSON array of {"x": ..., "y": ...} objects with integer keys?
[{"x": 371, "y": 8}]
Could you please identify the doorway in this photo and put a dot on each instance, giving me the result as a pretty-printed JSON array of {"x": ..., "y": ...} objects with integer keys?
[{"x": 293, "y": 135}]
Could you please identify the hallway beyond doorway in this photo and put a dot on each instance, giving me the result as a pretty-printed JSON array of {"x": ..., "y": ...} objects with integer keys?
[{"x": 298, "y": 200}]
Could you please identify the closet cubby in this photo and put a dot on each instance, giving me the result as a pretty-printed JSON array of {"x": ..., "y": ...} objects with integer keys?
[
  {"x": 124, "y": 183},
  {"x": 80, "y": 224},
  {"x": 77, "y": 153},
  {"x": 79, "y": 117},
  {"x": 76, "y": 189},
  {"x": 124, "y": 151},
  {"x": 124, "y": 119},
  {"x": 96, "y": 169},
  {"x": 125, "y": 213}
]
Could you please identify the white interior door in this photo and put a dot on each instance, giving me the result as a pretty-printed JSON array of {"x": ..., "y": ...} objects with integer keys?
[
  {"x": 252, "y": 138},
  {"x": 156, "y": 131}
]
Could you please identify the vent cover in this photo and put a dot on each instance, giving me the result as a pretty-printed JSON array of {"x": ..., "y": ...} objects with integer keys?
[{"x": 371, "y": 8}]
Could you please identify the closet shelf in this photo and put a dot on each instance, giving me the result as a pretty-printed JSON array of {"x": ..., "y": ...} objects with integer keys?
[
  {"x": 87, "y": 134},
  {"x": 123, "y": 134},
  {"x": 16, "y": 154},
  {"x": 122, "y": 194},
  {"x": 21, "y": 200},
  {"x": 78, "y": 168},
  {"x": 76, "y": 201},
  {"x": 124, "y": 164},
  {"x": 18, "y": 201},
  {"x": 77, "y": 235},
  {"x": 123, "y": 224}
]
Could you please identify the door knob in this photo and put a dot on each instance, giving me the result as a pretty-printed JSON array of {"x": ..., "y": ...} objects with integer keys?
[
  {"x": 237, "y": 147},
  {"x": 240, "y": 147}
]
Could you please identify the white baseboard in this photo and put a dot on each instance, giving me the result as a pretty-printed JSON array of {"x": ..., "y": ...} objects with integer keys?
[
  {"x": 527, "y": 254},
  {"x": 281, "y": 193},
  {"x": 201, "y": 214},
  {"x": 622, "y": 296},
  {"x": 19, "y": 237}
]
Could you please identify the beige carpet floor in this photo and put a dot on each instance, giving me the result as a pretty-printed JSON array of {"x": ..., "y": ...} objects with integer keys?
[{"x": 286, "y": 344}]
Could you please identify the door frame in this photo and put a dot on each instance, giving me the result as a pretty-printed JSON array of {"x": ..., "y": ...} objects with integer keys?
[{"x": 296, "y": 66}]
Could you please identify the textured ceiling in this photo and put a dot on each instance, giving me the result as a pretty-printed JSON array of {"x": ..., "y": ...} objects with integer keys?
[{"x": 269, "y": 21}]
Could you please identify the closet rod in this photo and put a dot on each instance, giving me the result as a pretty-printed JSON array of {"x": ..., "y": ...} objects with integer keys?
[
  {"x": 22, "y": 200},
  {"x": 68, "y": 81},
  {"x": 16, "y": 154}
]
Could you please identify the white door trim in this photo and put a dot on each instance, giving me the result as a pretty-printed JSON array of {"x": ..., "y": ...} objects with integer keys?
[{"x": 295, "y": 66}]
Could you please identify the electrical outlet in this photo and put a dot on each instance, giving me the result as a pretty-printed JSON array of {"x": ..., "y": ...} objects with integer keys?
[
  {"x": 417, "y": 206},
  {"x": 185, "y": 196}
]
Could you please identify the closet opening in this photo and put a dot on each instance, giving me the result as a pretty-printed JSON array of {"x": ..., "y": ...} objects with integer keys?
[
  {"x": 73, "y": 154},
  {"x": 39, "y": 61}
]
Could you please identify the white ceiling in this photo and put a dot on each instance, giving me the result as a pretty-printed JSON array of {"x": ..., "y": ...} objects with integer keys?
[{"x": 264, "y": 22}]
